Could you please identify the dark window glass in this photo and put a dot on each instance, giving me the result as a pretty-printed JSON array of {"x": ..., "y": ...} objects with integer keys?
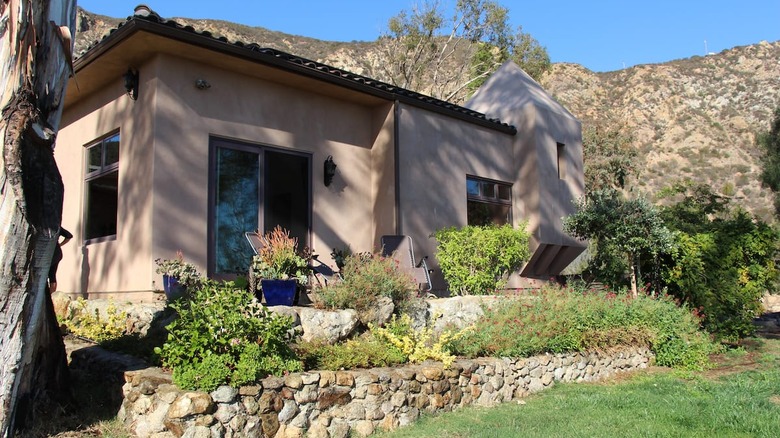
[
  {"x": 504, "y": 193},
  {"x": 561, "y": 148},
  {"x": 488, "y": 190},
  {"x": 111, "y": 150},
  {"x": 102, "y": 205},
  {"x": 94, "y": 158},
  {"x": 255, "y": 188},
  {"x": 484, "y": 213},
  {"x": 488, "y": 202},
  {"x": 102, "y": 189}
]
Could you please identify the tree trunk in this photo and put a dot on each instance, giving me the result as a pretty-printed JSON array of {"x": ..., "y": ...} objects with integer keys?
[
  {"x": 35, "y": 51},
  {"x": 632, "y": 268}
]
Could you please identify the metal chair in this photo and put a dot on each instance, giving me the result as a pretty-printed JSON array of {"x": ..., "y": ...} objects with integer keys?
[
  {"x": 401, "y": 249},
  {"x": 321, "y": 274},
  {"x": 253, "y": 237}
]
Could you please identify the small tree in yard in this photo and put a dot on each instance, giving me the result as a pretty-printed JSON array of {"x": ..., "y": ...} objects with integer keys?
[{"x": 628, "y": 226}]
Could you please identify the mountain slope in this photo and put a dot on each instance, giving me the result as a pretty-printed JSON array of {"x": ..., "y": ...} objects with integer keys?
[{"x": 694, "y": 118}]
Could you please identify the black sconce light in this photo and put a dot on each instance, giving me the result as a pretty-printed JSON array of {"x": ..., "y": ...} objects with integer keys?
[
  {"x": 131, "y": 83},
  {"x": 330, "y": 170}
]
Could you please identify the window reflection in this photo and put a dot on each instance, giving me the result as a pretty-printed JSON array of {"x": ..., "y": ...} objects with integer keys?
[
  {"x": 236, "y": 208},
  {"x": 488, "y": 202}
]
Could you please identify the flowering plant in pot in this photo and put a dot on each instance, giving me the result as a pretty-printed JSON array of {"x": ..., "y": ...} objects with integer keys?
[
  {"x": 178, "y": 276},
  {"x": 279, "y": 267}
]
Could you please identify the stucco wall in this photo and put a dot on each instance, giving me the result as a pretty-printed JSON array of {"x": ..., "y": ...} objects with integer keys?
[
  {"x": 556, "y": 194},
  {"x": 122, "y": 264},
  {"x": 165, "y": 163},
  {"x": 383, "y": 173},
  {"x": 544, "y": 198},
  {"x": 263, "y": 113},
  {"x": 436, "y": 154}
]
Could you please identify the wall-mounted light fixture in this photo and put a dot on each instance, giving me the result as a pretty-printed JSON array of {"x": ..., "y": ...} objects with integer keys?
[
  {"x": 330, "y": 170},
  {"x": 131, "y": 83},
  {"x": 202, "y": 84}
]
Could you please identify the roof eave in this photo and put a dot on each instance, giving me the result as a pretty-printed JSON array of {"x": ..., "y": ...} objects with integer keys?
[{"x": 241, "y": 50}]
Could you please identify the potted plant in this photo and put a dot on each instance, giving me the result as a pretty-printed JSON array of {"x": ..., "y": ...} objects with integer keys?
[
  {"x": 178, "y": 276},
  {"x": 280, "y": 267}
]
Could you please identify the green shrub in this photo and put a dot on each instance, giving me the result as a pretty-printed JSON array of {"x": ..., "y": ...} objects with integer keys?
[
  {"x": 396, "y": 343},
  {"x": 721, "y": 262},
  {"x": 418, "y": 345},
  {"x": 205, "y": 374},
  {"x": 92, "y": 325},
  {"x": 362, "y": 352},
  {"x": 223, "y": 336},
  {"x": 366, "y": 277},
  {"x": 559, "y": 320},
  {"x": 477, "y": 260}
]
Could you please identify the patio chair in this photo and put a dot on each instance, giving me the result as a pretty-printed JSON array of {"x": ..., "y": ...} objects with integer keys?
[
  {"x": 253, "y": 237},
  {"x": 401, "y": 249},
  {"x": 321, "y": 275}
]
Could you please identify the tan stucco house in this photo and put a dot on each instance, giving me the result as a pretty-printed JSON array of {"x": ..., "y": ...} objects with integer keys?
[{"x": 172, "y": 139}]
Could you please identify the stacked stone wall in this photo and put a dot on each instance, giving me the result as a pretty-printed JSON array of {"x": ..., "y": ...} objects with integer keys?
[{"x": 349, "y": 403}]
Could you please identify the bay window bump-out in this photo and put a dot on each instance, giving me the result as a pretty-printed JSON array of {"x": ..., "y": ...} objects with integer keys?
[
  {"x": 488, "y": 201},
  {"x": 101, "y": 193}
]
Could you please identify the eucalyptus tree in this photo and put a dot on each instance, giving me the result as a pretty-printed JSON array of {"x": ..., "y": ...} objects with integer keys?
[
  {"x": 447, "y": 56},
  {"x": 609, "y": 155},
  {"x": 35, "y": 51}
]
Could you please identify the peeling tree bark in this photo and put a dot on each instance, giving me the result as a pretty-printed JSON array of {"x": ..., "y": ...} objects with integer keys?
[{"x": 35, "y": 48}]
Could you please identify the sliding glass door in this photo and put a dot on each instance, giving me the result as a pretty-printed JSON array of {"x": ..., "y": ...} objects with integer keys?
[{"x": 254, "y": 188}]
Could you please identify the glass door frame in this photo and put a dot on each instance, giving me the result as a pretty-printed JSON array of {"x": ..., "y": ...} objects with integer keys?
[{"x": 216, "y": 142}]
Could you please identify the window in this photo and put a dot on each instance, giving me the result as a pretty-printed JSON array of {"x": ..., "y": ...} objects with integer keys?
[
  {"x": 561, "y": 148},
  {"x": 488, "y": 202},
  {"x": 102, "y": 177}
]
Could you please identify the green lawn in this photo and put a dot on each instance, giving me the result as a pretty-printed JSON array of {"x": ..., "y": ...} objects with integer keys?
[{"x": 739, "y": 398}]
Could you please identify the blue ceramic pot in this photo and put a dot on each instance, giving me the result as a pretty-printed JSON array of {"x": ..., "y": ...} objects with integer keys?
[
  {"x": 278, "y": 292},
  {"x": 173, "y": 290}
]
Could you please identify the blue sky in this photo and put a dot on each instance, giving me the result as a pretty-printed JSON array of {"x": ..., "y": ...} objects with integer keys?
[{"x": 602, "y": 35}]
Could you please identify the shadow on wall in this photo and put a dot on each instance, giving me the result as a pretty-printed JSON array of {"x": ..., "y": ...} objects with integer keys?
[{"x": 85, "y": 269}]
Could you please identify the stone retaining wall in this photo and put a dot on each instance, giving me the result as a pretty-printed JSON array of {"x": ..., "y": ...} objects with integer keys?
[
  {"x": 349, "y": 403},
  {"x": 771, "y": 303}
]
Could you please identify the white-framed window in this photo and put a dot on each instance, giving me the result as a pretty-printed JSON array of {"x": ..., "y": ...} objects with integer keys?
[
  {"x": 488, "y": 201},
  {"x": 101, "y": 188}
]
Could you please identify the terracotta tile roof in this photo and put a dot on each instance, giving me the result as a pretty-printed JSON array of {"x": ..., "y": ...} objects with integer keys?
[{"x": 304, "y": 66}]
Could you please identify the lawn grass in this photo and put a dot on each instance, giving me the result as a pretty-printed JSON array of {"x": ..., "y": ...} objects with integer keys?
[{"x": 739, "y": 398}]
